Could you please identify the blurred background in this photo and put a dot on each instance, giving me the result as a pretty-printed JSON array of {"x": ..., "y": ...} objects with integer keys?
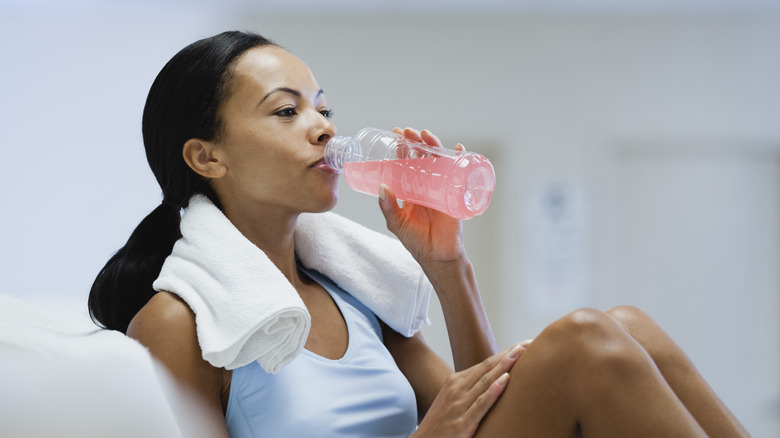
[{"x": 636, "y": 143}]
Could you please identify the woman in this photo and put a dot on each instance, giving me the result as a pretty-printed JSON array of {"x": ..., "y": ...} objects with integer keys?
[{"x": 243, "y": 122}]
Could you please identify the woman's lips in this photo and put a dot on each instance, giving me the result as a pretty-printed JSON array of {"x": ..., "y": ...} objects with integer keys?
[{"x": 322, "y": 166}]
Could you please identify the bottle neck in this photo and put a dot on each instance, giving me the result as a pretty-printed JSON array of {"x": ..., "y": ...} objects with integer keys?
[{"x": 340, "y": 150}]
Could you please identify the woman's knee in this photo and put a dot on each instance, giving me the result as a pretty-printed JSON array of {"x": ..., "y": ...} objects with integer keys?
[
  {"x": 647, "y": 333},
  {"x": 585, "y": 353},
  {"x": 630, "y": 316},
  {"x": 598, "y": 342},
  {"x": 587, "y": 327}
]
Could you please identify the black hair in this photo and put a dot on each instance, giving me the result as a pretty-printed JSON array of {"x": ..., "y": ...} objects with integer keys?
[{"x": 182, "y": 104}]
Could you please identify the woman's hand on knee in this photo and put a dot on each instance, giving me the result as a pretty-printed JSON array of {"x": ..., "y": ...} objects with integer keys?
[{"x": 467, "y": 396}]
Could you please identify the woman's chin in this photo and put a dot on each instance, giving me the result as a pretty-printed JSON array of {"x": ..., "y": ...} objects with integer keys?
[{"x": 326, "y": 205}]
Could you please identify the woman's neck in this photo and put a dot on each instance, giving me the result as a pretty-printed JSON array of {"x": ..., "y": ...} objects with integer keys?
[{"x": 271, "y": 230}]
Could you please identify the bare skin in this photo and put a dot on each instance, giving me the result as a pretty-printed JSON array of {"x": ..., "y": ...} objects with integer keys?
[
  {"x": 265, "y": 169},
  {"x": 680, "y": 373},
  {"x": 573, "y": 377}
]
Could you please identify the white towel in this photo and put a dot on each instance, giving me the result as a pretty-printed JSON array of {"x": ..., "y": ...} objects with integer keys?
[{"x": 245, "y": 308}]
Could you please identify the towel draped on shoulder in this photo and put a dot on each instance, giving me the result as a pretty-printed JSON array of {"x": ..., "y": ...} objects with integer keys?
[{"x": 245, "y": 308}]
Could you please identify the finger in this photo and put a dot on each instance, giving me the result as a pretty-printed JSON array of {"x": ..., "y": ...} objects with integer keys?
[
  {"x": 516, "y": 351},
  {"x": 502, "y": 363},
  {"x": 492, "y": 384},
  {"x": 508, "y": 358},
  {"x": 388, "y": 204},
  {"x": 429, "y": 138},
  {"x": 497, "y": 388},
  {"x": 401, "y": 150},
  {"x": 412, "y": 134},
  {"x": 504, "y": 359},
  {"x": 476, "y": 412}
]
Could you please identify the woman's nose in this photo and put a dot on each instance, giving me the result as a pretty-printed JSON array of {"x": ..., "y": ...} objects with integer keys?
[{"x": 324, "y": 132}]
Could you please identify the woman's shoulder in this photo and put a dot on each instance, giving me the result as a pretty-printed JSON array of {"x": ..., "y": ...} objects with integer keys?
[
  {"x": 163, "y": 312},
  {"x": 166, "y": 326}
]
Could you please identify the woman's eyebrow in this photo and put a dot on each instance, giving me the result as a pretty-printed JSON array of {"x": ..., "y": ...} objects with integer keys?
[{"x": 289, "y": 91}]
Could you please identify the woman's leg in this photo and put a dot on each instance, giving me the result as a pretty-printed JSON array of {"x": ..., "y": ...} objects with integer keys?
[
  {"x": 680, "y": 373},
  {"x": 585, "y": 372}
]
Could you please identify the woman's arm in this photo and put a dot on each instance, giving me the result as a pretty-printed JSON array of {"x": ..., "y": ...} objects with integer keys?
[
  {"x": 166, "y": 326},
  {"x": 471, "y": 337},
  {"x": 449, "y": 404},
  {"x": 428, "y": 373},
  {"x": 421, "y": 366},
  {"x": 434, "y": 239}
]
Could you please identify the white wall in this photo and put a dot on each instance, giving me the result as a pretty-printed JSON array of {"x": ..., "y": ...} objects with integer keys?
[
  {"x": 560, "y": 101},
  {"x": 706, "y": 265},
  {"x": 72, "y": 90},
  {"x": 548, "y": 98}
]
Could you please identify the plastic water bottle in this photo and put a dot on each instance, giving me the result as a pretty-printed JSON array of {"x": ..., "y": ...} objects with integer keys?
[{"x": 457, "y": 183}]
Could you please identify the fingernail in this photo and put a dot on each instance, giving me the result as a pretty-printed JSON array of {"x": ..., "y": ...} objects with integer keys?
[
  {"x": 501, "y": 381},
  {"x": 382, "y": 194},
  {"x": 514, "y": 353}
]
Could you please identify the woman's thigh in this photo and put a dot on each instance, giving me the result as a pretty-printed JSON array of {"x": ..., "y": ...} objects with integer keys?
[{"x": 585, "y": 371}]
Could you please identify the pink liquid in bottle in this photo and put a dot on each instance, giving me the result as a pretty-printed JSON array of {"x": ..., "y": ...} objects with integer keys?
[{"x": 461, "y": 189}]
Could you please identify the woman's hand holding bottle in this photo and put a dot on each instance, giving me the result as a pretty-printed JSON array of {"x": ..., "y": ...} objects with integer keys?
[{"x": 429, "y": 235}]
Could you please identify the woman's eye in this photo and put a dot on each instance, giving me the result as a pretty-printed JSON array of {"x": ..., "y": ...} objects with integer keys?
[
  {"x": 287, "y": 112},
  {"x": 327, "y": 113}
]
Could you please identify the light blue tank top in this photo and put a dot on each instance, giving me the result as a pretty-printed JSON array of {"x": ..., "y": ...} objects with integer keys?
[{"x": 363, "y": 394}]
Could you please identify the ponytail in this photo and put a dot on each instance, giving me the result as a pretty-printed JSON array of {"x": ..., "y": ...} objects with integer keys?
[
  {"x": 183, "y": 103},
  {"x": 124, "y": 285}
]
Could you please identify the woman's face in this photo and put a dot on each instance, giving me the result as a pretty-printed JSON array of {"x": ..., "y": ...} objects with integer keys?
[{"x": 274, "y": 129}]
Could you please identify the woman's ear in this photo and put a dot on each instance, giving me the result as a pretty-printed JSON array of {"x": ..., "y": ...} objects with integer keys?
[{"x": 203, "y": 157}]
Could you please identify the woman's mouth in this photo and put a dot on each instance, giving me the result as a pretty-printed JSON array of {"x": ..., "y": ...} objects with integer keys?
[{"x": 322, "y": 166}]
